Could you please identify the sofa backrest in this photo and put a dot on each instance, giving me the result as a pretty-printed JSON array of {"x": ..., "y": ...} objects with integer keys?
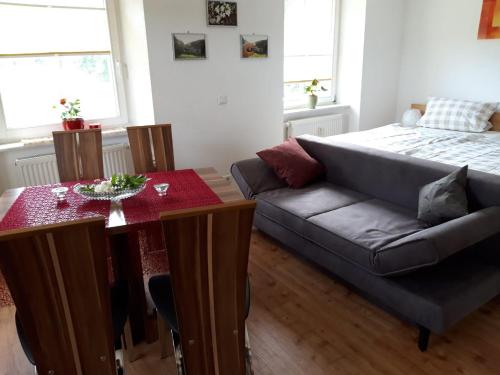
[{"x": 392, "y": 177}]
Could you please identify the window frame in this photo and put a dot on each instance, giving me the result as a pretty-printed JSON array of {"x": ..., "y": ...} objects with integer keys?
[
  {"x": 332, "y": 99},
  {"x": 12, "y": 135}
]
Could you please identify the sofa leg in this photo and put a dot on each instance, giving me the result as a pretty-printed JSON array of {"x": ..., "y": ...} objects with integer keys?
[{"x": 423, "y": 339}]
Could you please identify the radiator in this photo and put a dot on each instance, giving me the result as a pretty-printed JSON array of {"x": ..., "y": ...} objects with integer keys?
[
  {"x": 323, "y": 126},
  {"x": 42, "y": 170}
]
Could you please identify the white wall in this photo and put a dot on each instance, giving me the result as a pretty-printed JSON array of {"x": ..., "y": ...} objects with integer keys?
[
  {"x": 134, "y": 50},
  {"x": 442, "y": 55},
  {"x": 369, "y": 60},
  {"x": 185, "y": 93},
  {"x": 351, "y": 54},
  {"x": 381, "y": 62}
]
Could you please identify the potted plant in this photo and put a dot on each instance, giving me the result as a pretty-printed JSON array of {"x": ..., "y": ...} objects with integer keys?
[
  {"x": 71, "y": 115},
  {"x": 312, "y": 89}
]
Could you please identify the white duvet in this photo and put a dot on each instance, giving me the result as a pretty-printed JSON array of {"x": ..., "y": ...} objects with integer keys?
[{"x": 480, "y": 151}]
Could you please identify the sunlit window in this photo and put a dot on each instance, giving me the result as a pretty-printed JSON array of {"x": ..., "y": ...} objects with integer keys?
[
  {"x": 309, "y": 49},
  {"x": 53, "y": 49}
]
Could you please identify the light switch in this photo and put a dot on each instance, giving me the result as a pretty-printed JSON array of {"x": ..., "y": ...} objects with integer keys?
[{"x": 222, "y": 100}]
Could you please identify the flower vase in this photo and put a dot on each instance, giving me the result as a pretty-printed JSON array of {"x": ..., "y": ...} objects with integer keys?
[
  {"x": 313, "y": 101},
  {"x": 73, "y": 123}
]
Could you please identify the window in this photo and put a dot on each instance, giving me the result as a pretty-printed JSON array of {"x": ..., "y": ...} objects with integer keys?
[
  {"x": 310, "y": 49},
  {"x": 53, "y": 49}
]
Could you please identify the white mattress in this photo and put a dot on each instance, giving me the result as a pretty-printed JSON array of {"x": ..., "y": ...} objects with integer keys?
[{"x": 480, "y": 151}]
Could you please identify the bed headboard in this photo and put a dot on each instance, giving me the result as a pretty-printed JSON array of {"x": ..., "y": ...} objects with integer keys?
[{"x": 495, "y": 119}]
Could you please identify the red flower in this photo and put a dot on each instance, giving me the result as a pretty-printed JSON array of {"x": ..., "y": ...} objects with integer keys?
[{"x": 63, "y": 101}]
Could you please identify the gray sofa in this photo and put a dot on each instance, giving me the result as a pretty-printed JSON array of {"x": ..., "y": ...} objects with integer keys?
[{"x": 360, "y": 223}]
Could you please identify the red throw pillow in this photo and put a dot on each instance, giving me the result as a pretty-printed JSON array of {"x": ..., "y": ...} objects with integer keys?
[{"x": 292, "y": 163}]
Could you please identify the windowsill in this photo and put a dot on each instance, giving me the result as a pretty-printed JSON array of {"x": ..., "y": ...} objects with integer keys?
[
  {"x": 47, "y": 141},
  {"x": 320, "y": 110}
]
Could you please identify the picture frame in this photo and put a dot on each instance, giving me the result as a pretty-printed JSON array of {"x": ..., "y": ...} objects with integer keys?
[
  {"x": 222, "y": 13},
  {"x": 254, "y": 46},
  {"x": 489, "y": 24},
  {"x": 189, "y": 46}
]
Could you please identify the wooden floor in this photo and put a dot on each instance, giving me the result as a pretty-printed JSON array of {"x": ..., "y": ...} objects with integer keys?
[{"x": 303, "y": 322}]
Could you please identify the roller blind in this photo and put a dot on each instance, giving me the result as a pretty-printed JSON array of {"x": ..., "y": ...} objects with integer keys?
[
  {"x": 51, "y": 27},
  {"x": 309, "y": 46},
  {"x": 53, "y": 49},
  {"x": 309, "y": 39}
]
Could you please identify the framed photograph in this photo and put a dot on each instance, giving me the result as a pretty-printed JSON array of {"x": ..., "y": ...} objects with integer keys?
[
  {"x": 489, "y": 26},
  {"x": 222, "y": 13},
  {"x": 254, "y": 46},
  {"x": 189, "y": 46}
]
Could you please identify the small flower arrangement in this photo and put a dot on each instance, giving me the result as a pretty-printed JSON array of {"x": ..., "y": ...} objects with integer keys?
[
  {"x": 71, "y": 109},
  {"x": 116, "y": 184},
  {"x": 118, "y": 187},
  {"x": 313, "y": 88}
]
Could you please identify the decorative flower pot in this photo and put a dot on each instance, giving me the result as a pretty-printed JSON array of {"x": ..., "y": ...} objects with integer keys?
[
  {"x": 313, "y": 101},
  {"x": 73, "y": 124}
]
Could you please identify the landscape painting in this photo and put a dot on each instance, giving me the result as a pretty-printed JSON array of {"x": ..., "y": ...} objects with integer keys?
[
  {"x": 254, "y": 46},
  {"x": 489, "y": 27},
  {"x": 190, "y": 46},
  {"x": 222, "y": 13}
]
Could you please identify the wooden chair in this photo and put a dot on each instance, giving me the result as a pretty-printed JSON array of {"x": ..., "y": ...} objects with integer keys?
[
  {"x": 152, "y": 148},
  {"x": 66, "y": 312},
  {"x": 208, "y": 255},
  {"x": 79, "y": 154},
  {"x": 152, "y": 151}
]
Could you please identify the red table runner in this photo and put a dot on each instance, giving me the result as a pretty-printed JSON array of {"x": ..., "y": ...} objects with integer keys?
[
  {"x": 187, "y": 190},
  {"x": 37, "y": 206}
]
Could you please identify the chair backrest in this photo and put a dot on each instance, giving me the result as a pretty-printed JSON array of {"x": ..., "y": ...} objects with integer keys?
[
  {"x": 208, "y": 256},
  {"x": 79, "y": 154},
  {"x": 152, "y": 148},
  {"x": 58, "y": 279}
]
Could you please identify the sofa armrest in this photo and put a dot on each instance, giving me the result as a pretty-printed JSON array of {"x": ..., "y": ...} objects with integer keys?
[
  {"x": 253, "y": 176},
  {"x": 441, "y": 241}
]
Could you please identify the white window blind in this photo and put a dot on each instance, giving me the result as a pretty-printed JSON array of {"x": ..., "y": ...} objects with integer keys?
[
  {"x": 53, "y": 49},
  {"x": 309, "y": 48}
]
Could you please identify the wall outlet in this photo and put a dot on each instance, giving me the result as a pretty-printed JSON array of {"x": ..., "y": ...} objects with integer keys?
[{"x": 222, "y": 100}]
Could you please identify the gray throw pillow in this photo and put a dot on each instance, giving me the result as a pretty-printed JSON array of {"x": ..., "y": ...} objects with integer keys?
[{"x": 445, "y": 199}]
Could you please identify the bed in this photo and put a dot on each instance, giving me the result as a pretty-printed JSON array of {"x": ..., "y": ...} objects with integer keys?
[{"x": 481, "y": 151}]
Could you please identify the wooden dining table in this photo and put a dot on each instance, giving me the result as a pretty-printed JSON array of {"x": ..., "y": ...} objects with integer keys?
[{"x": 126, "y": 258}]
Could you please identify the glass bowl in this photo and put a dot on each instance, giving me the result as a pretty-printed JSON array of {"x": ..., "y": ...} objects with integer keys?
[{"x": 112, "y": 196}]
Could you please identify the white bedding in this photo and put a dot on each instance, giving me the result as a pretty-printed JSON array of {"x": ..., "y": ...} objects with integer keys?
[{"x": 480, "y": 151}]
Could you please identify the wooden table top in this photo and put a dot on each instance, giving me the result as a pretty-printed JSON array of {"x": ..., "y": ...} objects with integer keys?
[{"x": 225, "y": 189}]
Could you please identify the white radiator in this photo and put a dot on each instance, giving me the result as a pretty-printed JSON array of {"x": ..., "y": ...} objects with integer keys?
[
  {"x": 323, "y": 126},
  {"x": 42, "y": 170}
]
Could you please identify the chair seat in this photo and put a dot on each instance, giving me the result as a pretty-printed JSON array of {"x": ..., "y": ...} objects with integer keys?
[
  {"x": 119, "y": 312},
  {"x": 160, "y": 287}
]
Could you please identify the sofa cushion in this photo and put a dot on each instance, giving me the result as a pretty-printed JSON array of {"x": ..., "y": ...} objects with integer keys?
[
  {"x": 292, "y": 163},
  {"x": 371, "y": 224},
  {"x": 312, "y": 200},
  {"x": 291, "y": 207},
  {"x": 444, "y": 199},
  {"x": 356, "y": 233}
]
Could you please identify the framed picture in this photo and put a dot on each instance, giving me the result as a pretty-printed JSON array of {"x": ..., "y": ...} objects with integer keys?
[
  {"x": 189, "y": 46},
  {"x": 254, "y": 46},
  {"x": 489, "y": 27},
  {"x": 222, "y": 13}
]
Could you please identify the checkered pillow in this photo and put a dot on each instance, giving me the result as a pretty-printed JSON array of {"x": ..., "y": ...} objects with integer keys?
[{"x": 460, "y": 115}]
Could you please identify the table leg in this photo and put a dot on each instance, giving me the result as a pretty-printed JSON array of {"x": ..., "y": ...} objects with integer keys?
[{"x": 127, "y": 266}]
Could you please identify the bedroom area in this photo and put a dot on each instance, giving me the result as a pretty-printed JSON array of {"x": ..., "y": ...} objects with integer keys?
[{"x": 251, "y": 187}]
